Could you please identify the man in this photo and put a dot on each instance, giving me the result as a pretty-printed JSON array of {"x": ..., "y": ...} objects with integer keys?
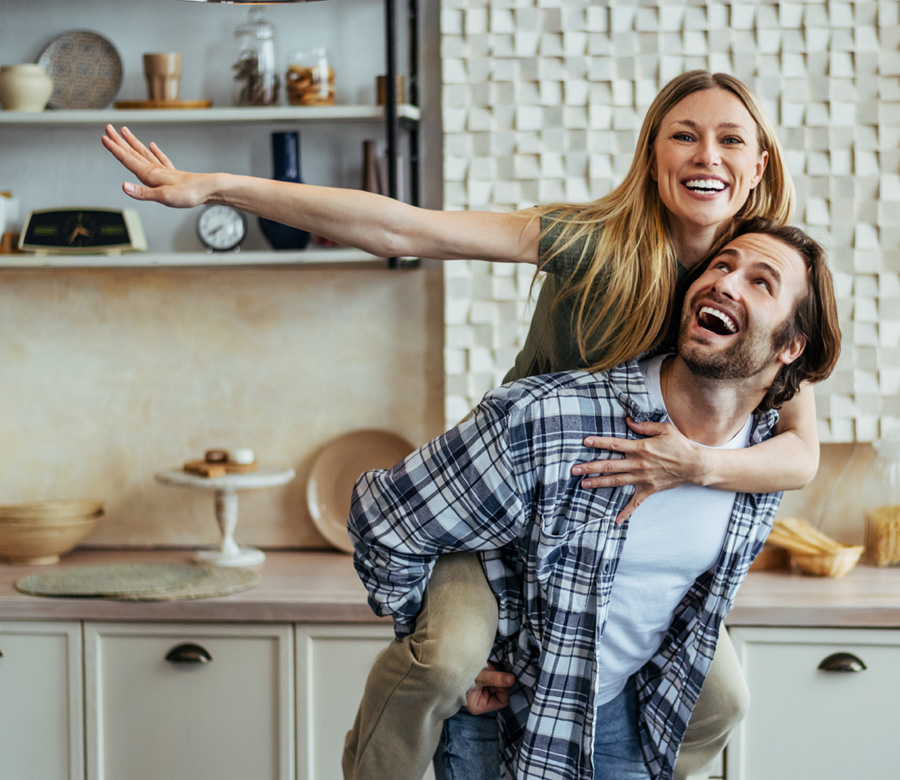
[{"x": 607, "y": 625}]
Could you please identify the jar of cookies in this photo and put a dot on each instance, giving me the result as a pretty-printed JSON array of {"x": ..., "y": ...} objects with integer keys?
[
  {"x": 309, "y": 80},
  {"x": 881, "y": 494}
]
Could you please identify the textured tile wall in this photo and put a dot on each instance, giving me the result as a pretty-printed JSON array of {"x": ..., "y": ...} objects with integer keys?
[{"x": 542, "y": 101}]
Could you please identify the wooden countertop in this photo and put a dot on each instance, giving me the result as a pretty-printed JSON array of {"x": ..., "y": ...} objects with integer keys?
[
  {"x": 322, "y": 587},
  {"x": 315, "y": 587}
]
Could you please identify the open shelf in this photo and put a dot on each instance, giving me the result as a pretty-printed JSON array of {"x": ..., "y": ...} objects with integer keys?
[
  {"x": 305, "y": 257},
  {"x": 362, "y": 113}
]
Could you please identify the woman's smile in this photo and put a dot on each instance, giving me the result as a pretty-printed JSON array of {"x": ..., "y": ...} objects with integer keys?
[{"x": 707, "y": 160}]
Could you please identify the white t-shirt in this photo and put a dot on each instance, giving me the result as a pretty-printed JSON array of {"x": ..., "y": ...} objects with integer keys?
[{"x": 672, "y": 538}]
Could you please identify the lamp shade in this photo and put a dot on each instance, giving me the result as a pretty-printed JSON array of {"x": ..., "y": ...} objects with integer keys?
[{"x": 251, "y": 2}]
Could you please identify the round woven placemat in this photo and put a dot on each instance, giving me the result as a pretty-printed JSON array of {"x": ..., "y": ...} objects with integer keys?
[
  {"x": 139, "y": 581},
  {"x": 221, "y": 581}
]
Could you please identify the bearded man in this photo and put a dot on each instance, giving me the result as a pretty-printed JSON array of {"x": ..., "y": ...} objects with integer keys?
[{"x": 607, "y": 629}]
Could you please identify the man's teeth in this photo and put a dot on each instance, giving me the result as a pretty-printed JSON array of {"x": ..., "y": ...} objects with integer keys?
[
  {"x": 724, "y": 318},
  {"x": 713, "y": 185}
]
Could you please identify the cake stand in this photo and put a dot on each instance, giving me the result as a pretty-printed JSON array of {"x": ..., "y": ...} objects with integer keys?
[{"x": 226, "y": 489}]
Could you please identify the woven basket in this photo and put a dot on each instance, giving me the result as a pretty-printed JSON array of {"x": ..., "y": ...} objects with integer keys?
[{"x": 828, "y": 564}]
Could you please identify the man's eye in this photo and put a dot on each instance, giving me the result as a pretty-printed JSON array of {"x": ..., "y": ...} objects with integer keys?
[{"x": 764, "y": 283}]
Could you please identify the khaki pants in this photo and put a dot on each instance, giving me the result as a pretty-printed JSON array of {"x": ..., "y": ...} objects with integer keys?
[{"x": 421, "y": 680}]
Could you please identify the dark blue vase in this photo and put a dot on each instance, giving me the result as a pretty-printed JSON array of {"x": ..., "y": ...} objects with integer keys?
[{"x": 285, "y": 167}]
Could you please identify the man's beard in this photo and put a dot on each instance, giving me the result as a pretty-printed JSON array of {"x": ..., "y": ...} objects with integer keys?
[{"x": 749, "y": 354}]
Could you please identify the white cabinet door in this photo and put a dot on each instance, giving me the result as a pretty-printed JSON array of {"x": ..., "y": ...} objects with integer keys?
[
  {"x": 805, "y": 722},
  {"x": 189, "y": 701},
  {"x": 333, "y": 662},
  {"x": 41, "y": 734}
]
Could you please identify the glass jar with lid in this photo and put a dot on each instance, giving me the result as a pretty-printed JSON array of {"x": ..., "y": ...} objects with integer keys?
[
  {"x": 309, "y": 80},
  {"x": 881, "y": 496},
  {"x": 256, "y": 80}
]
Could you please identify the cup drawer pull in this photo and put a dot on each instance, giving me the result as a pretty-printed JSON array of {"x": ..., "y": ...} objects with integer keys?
[
  {"x": 842, "y": 662},
  {"x": 188, "y": 654}
]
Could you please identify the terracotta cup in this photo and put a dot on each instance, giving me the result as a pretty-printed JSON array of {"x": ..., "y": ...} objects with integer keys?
[{"x": 163, "y": 73}]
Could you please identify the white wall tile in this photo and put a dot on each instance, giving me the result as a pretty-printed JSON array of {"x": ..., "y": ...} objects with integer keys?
[{"x": 547, "y": 104}]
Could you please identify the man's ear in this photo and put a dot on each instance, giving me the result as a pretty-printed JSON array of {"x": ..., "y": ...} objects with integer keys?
[{"x": 792, "y": 350}]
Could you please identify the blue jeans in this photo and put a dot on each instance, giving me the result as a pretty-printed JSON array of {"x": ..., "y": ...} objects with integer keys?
[{"x": 470, "y": 749}]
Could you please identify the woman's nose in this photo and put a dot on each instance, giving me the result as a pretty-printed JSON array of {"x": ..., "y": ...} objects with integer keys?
[{"x": 707, "y": 152}]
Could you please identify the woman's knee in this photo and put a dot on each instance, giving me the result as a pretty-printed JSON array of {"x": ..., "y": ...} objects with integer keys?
[{"x": 456, "y": 630}]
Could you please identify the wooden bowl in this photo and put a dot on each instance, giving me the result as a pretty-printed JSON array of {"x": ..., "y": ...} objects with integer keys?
[
  {"x": 52, "y": 512},
  {"x": 42, "y": 543},
  {"x": 828, "y": 564}
]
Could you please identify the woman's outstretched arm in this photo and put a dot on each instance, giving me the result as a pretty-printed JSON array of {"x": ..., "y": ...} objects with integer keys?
[
  {"x": 373, "y": 223},
  {"x": 666, "y": 459}
]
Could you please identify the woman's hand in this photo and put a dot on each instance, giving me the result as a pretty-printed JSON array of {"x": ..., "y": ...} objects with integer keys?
[
  {"x": 663, "y": 460},
  {"x": 490, "y": 692},
  {"x": 162, "y": 182}
]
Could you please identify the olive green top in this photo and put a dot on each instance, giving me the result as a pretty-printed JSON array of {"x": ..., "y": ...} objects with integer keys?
[{"x": 551, "y": 344}]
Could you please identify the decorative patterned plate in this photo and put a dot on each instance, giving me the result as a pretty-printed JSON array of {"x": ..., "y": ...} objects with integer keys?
[
  {"x": 85, "y": 67},
  {"x": 335, "y": 471}
]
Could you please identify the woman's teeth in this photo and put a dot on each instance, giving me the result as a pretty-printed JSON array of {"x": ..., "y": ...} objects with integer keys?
[{"x": 705, "y": 185}]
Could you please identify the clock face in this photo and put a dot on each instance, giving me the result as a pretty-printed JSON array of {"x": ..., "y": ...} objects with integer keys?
[
  {"x": 82, "y": 230},
  {"x": 221, "y": 228}
]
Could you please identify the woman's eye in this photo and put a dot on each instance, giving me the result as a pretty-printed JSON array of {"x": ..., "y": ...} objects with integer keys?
[
  {"x": 683, "y": 137},
  {"x": 733, "y": 141}
]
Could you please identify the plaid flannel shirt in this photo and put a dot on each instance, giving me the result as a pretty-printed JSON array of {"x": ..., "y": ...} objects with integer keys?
[{"x": 499, "y": 484}]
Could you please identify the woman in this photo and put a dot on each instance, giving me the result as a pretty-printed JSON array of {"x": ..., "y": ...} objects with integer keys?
[{"x": 615, "y": 271}]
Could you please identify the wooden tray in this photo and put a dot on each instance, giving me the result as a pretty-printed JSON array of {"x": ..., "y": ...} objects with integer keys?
[{"x": 163, "y": 103}]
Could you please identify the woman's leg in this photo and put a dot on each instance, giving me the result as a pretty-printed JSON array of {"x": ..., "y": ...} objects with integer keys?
[
  {"x": 721, "y": 707},
  {"x": 422, "y": 679}
]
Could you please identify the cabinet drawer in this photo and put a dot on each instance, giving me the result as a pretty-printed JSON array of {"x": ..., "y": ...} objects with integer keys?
[
  {"x": 41, "y": 734},
  {"x": 189, "y": 701},
  {"x": 808, "y": 722}
]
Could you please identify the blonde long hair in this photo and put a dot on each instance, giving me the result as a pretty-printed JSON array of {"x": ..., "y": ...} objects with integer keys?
[{"x": 623, "y": 303}]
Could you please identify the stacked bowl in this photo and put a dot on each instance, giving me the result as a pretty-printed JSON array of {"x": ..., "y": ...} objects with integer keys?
[{"x": 38, "y": 532}]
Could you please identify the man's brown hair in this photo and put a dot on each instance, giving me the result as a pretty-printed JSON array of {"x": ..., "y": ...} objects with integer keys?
[{"x": 814, "y": 316}]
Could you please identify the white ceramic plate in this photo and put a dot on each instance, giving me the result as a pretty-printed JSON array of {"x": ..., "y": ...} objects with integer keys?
[
  {"x": 86, "y": 70},
  {"x": 335, "y": 471}
]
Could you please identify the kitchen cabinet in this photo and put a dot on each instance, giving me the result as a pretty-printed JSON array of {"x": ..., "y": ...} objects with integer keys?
[
  {"x": 815, "y": 710},
  {"x": 37, "y": 136},
  {"x": 187, "y": 701},
  {"x": 180, "y": 700},
  {"x": 41, "y": 727},
  {"x": 333, "y": 662}
]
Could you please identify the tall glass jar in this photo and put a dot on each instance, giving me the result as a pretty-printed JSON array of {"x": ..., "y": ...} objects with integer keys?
[
  {"x": 256, "y": 80},
  {"x": 881, "y": 495}
]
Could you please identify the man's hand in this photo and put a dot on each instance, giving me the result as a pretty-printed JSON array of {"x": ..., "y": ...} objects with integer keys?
[
  {"x": 662, "y": 461},
  {"x": 490, "y": 692}
]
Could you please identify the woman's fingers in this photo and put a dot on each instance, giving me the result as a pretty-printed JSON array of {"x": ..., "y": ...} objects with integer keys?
[
  {"x": 159, "y": 155},
  {"x": 160, "y": 181}
]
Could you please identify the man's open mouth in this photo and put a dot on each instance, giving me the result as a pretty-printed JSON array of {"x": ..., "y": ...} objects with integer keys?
[
  {"x": 705, "y": 186},
  {"x": 717, "y": 321}
]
